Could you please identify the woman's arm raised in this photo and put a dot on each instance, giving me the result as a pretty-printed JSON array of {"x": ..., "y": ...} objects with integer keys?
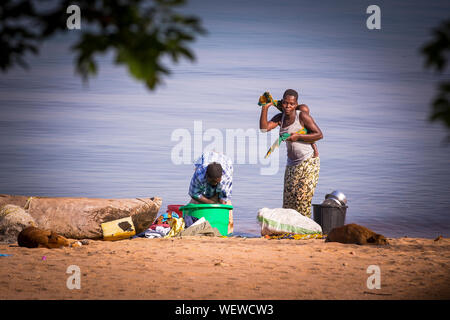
[{"x": 265, "y": 125}]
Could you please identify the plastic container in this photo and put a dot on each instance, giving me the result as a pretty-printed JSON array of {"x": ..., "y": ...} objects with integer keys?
[
  {"x": 175, "y": 208},
  {"x": 329, "y": 217},
  {"x": 118, "y": 229},
  {"x": 218, "y": 215}
]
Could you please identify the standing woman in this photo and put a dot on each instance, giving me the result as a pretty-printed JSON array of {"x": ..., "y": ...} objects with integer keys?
[{"x": 302, "y": 168}]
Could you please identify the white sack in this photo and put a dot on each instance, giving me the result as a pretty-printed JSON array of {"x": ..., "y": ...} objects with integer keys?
[{"x": 280, "y": 220}]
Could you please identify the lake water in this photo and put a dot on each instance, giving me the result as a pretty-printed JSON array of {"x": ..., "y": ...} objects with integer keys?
[{"x": 368, "y": 92}]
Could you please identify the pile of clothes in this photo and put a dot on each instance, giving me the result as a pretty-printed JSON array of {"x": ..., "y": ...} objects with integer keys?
[{"x": 170, "y": 225}]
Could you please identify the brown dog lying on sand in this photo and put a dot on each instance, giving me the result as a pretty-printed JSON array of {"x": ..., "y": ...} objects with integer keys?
[
  {"x": 32, "y": 237},
  {"x": 354, "y": 233}
]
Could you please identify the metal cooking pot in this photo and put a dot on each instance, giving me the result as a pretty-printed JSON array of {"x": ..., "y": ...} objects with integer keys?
[
  {"x": 338, "y": 195},
  {"x": 331, "y": 202}
]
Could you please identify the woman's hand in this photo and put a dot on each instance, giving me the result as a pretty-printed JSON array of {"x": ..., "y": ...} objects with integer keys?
[
  {"x": 204, "y": 200},
  {"x": 294, "y": 137}
]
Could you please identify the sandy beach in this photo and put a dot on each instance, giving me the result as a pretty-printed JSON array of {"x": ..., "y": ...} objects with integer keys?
[{"x": 205, "y": 268}]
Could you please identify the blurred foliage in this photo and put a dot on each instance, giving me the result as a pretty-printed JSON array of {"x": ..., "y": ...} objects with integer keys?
[
  {"x": 436, "y": 53},
  {"x": 140, "y": 33}
]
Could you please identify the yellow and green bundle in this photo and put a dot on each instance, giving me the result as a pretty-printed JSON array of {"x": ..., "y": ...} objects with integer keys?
[
  {"x": 267, "y": 98},
  {"x": 282, "y": 138}
]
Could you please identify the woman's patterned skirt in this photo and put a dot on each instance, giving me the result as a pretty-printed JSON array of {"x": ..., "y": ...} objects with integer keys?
[{"x": 300, "y": 181}]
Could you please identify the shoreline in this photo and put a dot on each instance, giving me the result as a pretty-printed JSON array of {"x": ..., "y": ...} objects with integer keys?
[{"x": 206, "y": 268}]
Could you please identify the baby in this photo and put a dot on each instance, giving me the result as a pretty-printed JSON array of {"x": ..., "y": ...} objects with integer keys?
[{"x": 304, "y": 108}]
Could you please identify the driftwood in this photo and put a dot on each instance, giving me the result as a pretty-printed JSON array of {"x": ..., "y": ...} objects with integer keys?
[{"x": 81, "y": 218}]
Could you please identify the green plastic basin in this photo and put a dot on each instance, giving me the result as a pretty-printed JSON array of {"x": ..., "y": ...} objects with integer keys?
[{"x": 218, "y": 215}]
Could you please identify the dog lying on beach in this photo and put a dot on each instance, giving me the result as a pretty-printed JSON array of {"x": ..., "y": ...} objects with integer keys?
[
  {"x": 32, "y": 237},
  {"x": 354, "y": 233}
]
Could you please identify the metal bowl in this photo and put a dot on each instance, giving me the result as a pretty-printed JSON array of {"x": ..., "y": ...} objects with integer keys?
[
  {"x": 337, "y": 195},
  {"x": 331, "y": 202}
]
